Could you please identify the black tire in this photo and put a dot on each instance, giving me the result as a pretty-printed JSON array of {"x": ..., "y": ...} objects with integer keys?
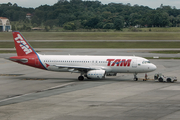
[
  {"x": 160, "y": 79},
  {"x": 80, "y": 78},
  {"x": 169, "y": 80},
  {"x": 136, "y": 79}
]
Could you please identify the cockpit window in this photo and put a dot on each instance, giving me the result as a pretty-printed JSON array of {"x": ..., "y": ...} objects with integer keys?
[{"x": 145, "y": 62}]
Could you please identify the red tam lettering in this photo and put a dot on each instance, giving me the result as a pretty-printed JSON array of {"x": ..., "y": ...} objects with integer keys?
[
  {"x": 117, "y": 61},
  {"x": 125, "y": 62},
  {"x": 109, "y": 61}
]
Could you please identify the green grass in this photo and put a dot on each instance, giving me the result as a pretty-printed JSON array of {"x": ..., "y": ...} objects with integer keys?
[
  {"x": 167, "y": 52},
  {"x": 161, "y": 29},
  {"x": 10, "y": 51},
  {"x": 7, "y": 51},
  {"x": 153, "y": 29},
  {"x": 95, "y": 35},
  {"x": 97, "y": 45},
  {"x": 107, "y": 45},
  {"x": 176, "y": 58}
]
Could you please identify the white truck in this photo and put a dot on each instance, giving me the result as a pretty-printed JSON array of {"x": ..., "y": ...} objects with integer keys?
[{"x": 162, "y": 78}]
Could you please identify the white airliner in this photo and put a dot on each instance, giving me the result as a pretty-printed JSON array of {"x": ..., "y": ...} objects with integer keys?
[{"x": 91, "y": 67}]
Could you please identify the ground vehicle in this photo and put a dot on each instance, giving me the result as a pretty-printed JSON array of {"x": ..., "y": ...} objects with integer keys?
[{"x": 162, "y": 78}]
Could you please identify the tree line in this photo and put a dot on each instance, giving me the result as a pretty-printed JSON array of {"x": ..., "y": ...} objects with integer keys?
[{"x": 78, "y": 14}]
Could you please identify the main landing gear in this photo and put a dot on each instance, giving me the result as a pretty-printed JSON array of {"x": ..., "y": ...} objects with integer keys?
[
  {"x": 135, "y": 77},
  {"x": 81, "y": 78}
]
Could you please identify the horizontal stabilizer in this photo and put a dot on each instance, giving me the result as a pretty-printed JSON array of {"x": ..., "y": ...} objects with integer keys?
[{"x": 24, "y": 60}]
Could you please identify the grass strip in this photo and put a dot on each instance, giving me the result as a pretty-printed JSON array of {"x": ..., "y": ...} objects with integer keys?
[
  {"x": 167, "y": 52},
  {"x": 176, "y": 58},
  {"x": 7, "y": 51},
  {"x": 10, "y": 51},
  {"x": 95, "y": 35},
  {"x": 98, "y": 45}
]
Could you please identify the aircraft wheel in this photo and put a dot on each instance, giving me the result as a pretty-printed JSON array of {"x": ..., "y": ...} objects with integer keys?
[
  {"x": 80, "y": 78},
  {"x": 135, "y": 77}
]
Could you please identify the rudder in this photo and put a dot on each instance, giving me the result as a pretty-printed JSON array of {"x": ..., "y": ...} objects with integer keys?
[{"x": 23, "y": 48}]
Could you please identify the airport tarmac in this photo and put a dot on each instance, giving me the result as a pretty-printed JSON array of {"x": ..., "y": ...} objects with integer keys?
[{"x": 32, "y": 94}]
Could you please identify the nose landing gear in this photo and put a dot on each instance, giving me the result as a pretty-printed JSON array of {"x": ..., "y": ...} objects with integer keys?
[{"x": 135, "y": 77}]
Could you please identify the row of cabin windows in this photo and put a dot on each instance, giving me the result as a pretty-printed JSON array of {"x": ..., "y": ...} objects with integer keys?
[{"x": 66, "y": 61}]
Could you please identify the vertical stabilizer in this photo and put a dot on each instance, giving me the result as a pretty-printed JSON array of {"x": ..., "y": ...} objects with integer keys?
[{"x": 23, "y": 48}]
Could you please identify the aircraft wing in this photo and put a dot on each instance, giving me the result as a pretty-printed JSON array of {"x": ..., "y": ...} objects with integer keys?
[
  {"x": 80, "y": 68},
  {"x": 74, "y": 67}
]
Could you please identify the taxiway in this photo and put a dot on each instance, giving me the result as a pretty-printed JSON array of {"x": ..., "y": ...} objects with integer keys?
[{"x": 31, "y": 94}]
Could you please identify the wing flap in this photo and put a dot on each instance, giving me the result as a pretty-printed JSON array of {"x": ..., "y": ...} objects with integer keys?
[{"x": 74, "y": 67}]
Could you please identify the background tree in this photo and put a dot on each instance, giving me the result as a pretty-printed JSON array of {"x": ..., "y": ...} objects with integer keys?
[
  {"x": 69, "y": 26},
  {"x": 93, "y": 15},
  {"x": 119, "y": 23}
]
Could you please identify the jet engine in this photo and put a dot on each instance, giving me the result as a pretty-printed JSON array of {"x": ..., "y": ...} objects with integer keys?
[{"x": 96, "y": 74}]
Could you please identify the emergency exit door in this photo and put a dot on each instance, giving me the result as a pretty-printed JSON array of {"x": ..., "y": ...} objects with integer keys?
[{"x": 134, "y": 63}]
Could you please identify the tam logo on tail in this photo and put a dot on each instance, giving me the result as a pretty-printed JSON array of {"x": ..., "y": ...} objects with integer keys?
[{"x": 25, "y": 47}]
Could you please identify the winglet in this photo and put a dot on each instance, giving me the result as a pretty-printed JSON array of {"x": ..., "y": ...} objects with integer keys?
[{"x": 23, "y": 48}]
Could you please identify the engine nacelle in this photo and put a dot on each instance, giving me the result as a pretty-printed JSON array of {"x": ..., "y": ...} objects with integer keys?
[{"x": 96, "y": 74}]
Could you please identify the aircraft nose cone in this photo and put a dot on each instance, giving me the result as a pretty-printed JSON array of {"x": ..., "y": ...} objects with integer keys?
[{"x": 153, "y": 67}]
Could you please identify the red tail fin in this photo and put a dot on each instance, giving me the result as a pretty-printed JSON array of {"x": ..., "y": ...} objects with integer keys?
[{"x": 23, "y": 48}]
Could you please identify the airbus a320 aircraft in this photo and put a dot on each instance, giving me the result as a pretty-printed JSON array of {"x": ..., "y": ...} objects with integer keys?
[{"x": 91, "y": 67}]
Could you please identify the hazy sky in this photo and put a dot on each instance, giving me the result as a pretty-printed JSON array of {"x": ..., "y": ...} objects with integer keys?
[{"x": 150, "y": 3}]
